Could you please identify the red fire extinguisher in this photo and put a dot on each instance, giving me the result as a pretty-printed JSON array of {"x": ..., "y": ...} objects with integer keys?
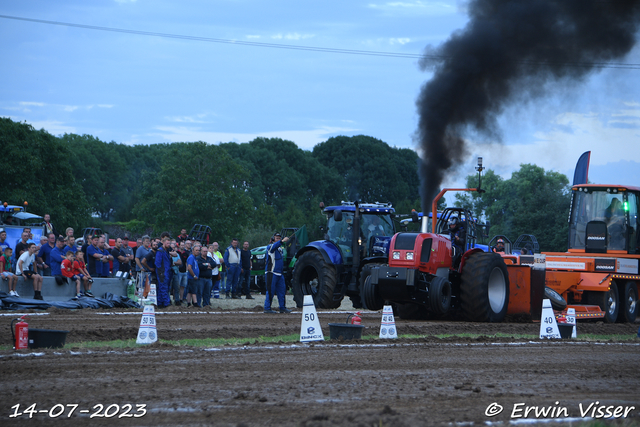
[
  {"x": 21, "y": 333},
  {"x": 355, "y": 319}
]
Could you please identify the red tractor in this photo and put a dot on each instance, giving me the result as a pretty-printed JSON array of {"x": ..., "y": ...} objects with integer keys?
[{"x": 428, "y": 273}]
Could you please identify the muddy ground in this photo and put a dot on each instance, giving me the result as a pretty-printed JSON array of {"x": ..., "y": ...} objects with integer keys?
[{"x": 405, "y": 382}]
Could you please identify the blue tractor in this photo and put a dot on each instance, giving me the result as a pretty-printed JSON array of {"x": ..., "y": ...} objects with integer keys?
[{"x": 357, "y": 236}]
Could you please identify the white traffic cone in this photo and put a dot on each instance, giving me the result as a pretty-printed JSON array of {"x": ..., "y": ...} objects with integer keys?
[
  {"x": 571, "y": 320},
  {"x": 147, "y": 333},
  {"x": 310, "y": 329},
  {"x": 388, "y": 325},
  {"x": 548, "y": 324},
  {"x": 153, "y": 294}
]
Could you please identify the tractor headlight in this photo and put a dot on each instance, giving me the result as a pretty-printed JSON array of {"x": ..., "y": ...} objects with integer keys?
[
  {"x": 261, "y": 256},
  {"x": 410, "y": 256},
  {"x": 396, "y": 255}
]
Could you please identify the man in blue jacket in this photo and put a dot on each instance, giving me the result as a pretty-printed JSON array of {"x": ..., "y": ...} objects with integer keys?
[
  {"x": 55, "y": 257},
  {"x": 164, "y": 273},
  {"x": 274, "y": 278}
]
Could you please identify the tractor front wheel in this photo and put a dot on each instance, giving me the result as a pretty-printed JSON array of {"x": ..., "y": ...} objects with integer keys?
[
  {"x": 371, "y": 299},
  {"x": 313, "y": 276},
  {"x": 608, "y": 302},
  {"x": 439, "y": 295},
  {"x": 484, "y": 288}
]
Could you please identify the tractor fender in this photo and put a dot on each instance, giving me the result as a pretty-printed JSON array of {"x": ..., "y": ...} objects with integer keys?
[
  {"x": 466, "y": 256},
  {"x": 329, "y": 251}
]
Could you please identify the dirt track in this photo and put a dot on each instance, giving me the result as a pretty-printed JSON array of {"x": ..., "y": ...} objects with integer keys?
[{"x": 422, "y": 381}]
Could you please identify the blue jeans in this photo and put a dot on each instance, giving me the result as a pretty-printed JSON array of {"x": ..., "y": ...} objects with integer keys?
[
  {"x": 206, "y": 291},
  {"x": 216, "y": 289},
  {"x": 199, "y": 288},
  {"x": 183, "y": 279},
  {"x": 223, "y": 282},
  {"x": 233, "y": 277},
  {"x": 175, "y": 287}
]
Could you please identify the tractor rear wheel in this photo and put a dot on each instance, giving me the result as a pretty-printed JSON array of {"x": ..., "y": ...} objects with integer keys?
[
  {"x": 371, "y": 299},
  {"x": 484, "y": 288},
  {"x": 628, "y": 303},
  {"x": 313, "y": 276}
]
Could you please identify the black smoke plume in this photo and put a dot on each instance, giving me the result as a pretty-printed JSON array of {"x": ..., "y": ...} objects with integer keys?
[{"x": 511, "y": 50}]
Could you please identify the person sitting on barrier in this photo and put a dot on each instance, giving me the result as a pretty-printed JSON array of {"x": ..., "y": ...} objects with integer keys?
[
  {"x": 5, "y": 270},
  {"x": 80, "y": 269},
  {"x": 67, "y": 271},
  {"x": 499, "y": 247},
  {"x": 28, "y": 269}
]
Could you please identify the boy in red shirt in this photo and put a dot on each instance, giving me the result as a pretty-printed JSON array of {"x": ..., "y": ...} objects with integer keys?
[
  {"x": 68, "y": 271},
  {"x": 80, "y": 270}
]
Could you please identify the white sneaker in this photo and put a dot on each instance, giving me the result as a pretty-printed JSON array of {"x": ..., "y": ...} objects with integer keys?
[{"x": 12, "y": 293}]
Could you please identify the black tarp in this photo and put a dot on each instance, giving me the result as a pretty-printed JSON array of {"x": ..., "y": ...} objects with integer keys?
[{"x": 8, "y": 302}]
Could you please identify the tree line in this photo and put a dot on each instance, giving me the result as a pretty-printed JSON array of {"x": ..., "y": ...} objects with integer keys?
[{"x": 248, "y": 189}]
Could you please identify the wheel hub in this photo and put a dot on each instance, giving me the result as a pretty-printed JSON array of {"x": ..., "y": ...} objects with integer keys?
[
  {"x": 612, "y": 305},
  {"x": 497, "y": 290}
]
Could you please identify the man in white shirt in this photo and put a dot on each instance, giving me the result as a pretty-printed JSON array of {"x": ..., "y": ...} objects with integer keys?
[{"x": 27, "y": 268}]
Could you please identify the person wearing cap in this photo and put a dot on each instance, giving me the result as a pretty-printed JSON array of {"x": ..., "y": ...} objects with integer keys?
[
  {"x": 499, "y": 246},
  {"x": 274, "y": 278}
]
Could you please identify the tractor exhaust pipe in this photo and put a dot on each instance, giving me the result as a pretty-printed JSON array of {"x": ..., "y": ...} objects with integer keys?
[{"x": 425, "y": 222}]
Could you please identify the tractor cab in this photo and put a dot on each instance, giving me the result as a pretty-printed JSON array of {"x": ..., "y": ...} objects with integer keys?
[
  {"x": 604, "y": 219},
  {"x": 375, "y": 228},
  {"x": 465, "y": 218}
]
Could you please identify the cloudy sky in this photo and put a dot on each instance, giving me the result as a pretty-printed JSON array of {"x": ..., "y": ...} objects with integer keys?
[{"x": 214, "y": 77}]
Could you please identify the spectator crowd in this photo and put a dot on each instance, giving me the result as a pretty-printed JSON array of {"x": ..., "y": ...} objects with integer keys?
[{"x": 184, "y": 270}]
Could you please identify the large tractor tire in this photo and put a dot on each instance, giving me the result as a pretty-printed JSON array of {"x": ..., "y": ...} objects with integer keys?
[
  {"x": 628, "y": 302},
  {"x": 609, "y": 302},
  {"x": 313, "y": 276},
  {"x": 439, "y": 296},
  {"x": 557, "y": 302},
  {"x": 484, "y": 288},
  {"x": 370, "y": 297}
]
